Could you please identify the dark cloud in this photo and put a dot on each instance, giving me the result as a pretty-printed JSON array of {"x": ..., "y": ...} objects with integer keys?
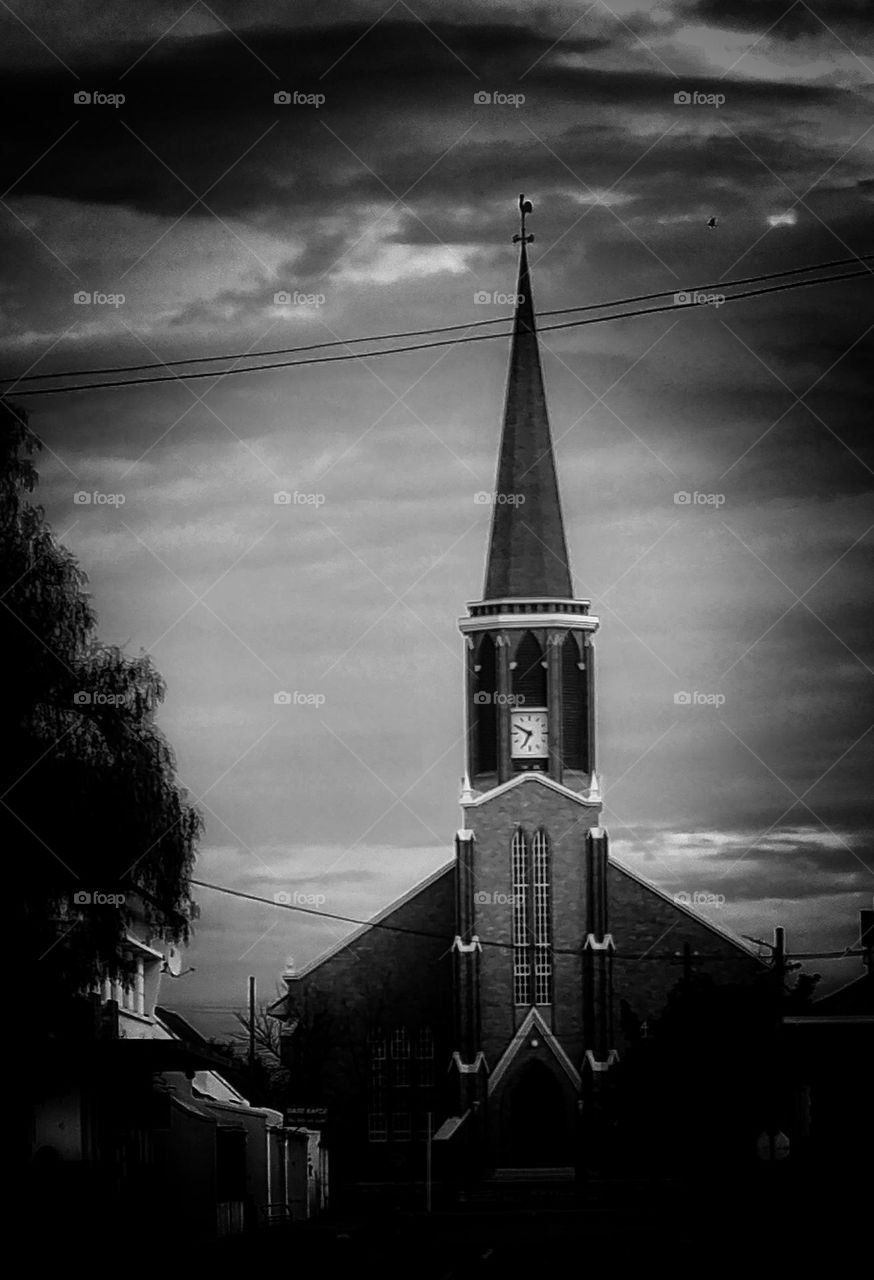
[{"x": 788, "y": 21}]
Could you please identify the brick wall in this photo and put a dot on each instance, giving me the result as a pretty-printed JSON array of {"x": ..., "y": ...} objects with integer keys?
[
  {"x": 640, "y": 919},
  {"x": 530, "y": 805}
]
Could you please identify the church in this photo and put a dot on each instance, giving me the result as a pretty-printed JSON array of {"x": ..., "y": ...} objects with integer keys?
[{"x": 483, "y": 1016}]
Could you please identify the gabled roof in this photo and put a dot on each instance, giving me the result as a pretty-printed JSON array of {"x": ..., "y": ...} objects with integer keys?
[
  {"x": 693, "y": 915},
  {"x": 365, "y": 928},
  {"x": 527, "y": 550}
]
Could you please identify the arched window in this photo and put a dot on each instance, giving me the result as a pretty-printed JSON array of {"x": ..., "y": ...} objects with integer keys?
[
  {"x": 529, "y": 674},
  {"x": 521, "y": 936},
  {"x": 532, "y": 919},
  {"x": 542, "y": 930},
  {"x": 574, "y": 719},
  {"x": 484, "y": 709}
]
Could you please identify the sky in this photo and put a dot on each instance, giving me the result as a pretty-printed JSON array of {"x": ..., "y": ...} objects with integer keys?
[{"x": 380, "y": 198}]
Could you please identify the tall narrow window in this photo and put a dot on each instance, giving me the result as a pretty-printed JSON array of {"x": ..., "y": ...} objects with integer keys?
[
  {"x": 521, "y": 936},
  {"x": 400, "y": 1053},
  {"x": 574, "y": 705},
  {"x": 529, "y": 674},
  {"x": 425, "y": 1058},
  {"x": 484, "y": 711},
  {"x": 542, "y": 933},
  {"x": 377, "y": 1117}
]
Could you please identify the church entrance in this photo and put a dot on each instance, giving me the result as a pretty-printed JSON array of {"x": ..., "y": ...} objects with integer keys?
[{"x": 539, "y": 1130}]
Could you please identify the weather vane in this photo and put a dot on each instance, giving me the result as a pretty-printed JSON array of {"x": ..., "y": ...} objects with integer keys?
[{"x": 525, "y": 206}]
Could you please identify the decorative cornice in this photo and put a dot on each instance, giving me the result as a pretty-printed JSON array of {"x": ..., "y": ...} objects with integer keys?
[
  {"x": 582, "y": 798},
  {"x": 470, "y": 1068},
  {"x": 595, "y": 1065},
  {"x": 591, "y": 943},
  {"x": 529, "y": 621}
]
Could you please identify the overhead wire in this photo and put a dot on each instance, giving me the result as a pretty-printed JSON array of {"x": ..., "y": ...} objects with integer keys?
[{"x": 418, "y": 333}]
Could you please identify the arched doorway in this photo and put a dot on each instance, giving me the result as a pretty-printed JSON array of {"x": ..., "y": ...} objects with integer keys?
[{"x": 540, "y": 1128}]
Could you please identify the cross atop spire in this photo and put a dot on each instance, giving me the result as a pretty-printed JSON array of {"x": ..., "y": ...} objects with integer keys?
[{"x": 527, "y": 552}]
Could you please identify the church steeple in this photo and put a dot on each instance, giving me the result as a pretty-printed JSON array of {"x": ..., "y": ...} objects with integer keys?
[
  {"x": 530, "y": 660},
  {"x": 527, "y": 551}
]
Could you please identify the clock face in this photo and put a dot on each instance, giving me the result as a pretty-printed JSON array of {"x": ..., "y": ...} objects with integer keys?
[{"x": 528, "y": 735}]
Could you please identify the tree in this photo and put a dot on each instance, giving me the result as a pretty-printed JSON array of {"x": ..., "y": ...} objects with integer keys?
[{"x": 90, "y": 802}]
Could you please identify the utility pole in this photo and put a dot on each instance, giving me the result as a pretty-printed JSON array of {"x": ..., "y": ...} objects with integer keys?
[
  {"x": 428, "y": 1166},
  {"x": 251, "y": 1022}
]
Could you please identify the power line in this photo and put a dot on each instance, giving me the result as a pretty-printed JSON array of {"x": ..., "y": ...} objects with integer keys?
[
  {"x": 419, "y": 333},
  {"x": 485, "y": 942},
  {"x": 427, "y": 346}
]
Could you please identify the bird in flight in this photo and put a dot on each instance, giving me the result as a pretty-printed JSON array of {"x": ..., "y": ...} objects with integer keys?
[{"x": 713, "y": 223}]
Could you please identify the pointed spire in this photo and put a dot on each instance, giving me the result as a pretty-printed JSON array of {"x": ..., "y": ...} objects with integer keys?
[{"x": 527, "y": 551}]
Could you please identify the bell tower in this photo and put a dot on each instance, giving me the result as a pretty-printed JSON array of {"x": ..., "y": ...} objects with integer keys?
[
  {"x": 533, "y": 966},
  {"x": 530, "y": 659}
]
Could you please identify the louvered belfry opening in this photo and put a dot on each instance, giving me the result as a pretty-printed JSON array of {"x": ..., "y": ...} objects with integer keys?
[
  {"x": 574, "y": 717},
  {"x": 529, "y": 675},
  {"x": 485, "y": 709}
]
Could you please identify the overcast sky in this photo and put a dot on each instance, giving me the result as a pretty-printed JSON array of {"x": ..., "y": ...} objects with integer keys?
[{"x": 390, "y": 205}]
